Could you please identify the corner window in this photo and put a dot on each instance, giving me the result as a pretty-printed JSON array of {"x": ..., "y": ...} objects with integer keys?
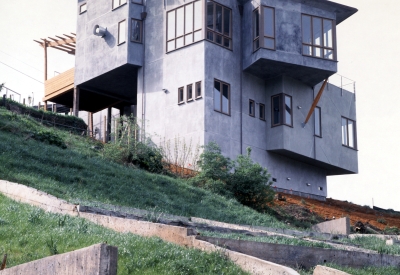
[
  {"x": 181, "y": 98},
  {"x": 264, "y": 28},
  {"x": 348, "y": 133},
  {"x": 117, "y": 3},
  {"x": 137, "y": 2},
  {"x": 136, "y": 31},
  {"x": 219, "y": 20},
  {"x": 318, "y": 37},
  {"x": 189, "y": 92},
  {"x": 251, "y": 108},
  {"x": 281, "y": 108},
  {"x": 317, "y": 122},
  {"x": 121, "y": 32},
  {"x": 198, "y": 89},
  {"x": 222, "y": 97},
  {"x": 184, "y": 25},
  {"x": 262, "y": 111},
  {"x": 83, "y": 8}
]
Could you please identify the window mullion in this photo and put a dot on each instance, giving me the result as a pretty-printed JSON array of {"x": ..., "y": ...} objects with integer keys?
[{"x": 261, "y": 23}]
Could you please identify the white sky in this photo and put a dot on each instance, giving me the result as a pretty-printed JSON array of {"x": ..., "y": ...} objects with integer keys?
[{"x": 367, "y": 52}]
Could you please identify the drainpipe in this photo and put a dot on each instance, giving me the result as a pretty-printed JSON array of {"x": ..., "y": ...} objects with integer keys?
[
  {"x": 315, "y": 143},
  {"x": 240, "y": 6},
  {"x": 143, "y": 17}
]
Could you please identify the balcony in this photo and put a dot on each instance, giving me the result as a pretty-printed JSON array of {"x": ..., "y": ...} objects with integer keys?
[{"x": 60, "y": 88}]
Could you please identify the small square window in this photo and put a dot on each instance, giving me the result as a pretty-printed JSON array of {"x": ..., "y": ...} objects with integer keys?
[
  {"x": 83, "y": 8},
  {"x": 251, "y": 108},
  {"x": 121, "y": 32},
  {"x": 189, "y": 92},
  {"x": 198, "y": 89},
  {"x": 262, "y": 111},
  {"x": 136, "y": 31},
  {"x": 181, "y": 96},
  {"x": 118, "y": 3},
  {"x": 320, "y": 188}
]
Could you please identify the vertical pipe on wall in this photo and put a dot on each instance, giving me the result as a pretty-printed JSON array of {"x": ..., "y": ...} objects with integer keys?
[
  {"x": 144, "y": 15},
  {"x": 240, "y": 6},
  {"x": 109, "y": 124},
  {"x": 315, "y": 143}
]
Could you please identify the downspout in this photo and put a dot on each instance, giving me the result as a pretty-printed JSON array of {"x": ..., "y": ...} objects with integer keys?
[
  {"x": 143, "y": 17},
  {"x": 315, "y": 143},
  {"x": 241, "y": 77}
]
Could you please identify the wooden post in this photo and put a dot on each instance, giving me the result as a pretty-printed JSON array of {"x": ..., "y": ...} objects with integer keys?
[
  {"x": 38, "y": 106},
  {"x": 23, "y": 101},
  {"x": 3, "y": 264},
  {"x": 315, "y": 102},
  {"x": 105, "y": 129},
  {"x": 90, "y": 122},
  {"x": 108, "y": 124},
  {"x": 76, "y": 101},
  {"x": 70, "y": 111},
  {"x": 45, "y": 106},
  {"x": 54, "y": 107},
  {"x": 45, "y": 59}
]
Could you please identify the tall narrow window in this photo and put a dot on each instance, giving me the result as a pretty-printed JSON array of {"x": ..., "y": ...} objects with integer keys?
[
  {"x": 198, "y": 89},
  {"x": 83, "y": 8},
  {"x": 181, "y": 96},
  {"x": 136, "y": 32},
  {"x": 281, "y": 108},
  {"x": 251, "y": 108},
  {"x": 264, "y": 28},
  {"x": 219, "y": 20},
  {"x": 349, "y": 132},
  {"x": 117, "y": 3},
  {"x": 184, "y": 25},
  {"x": 318, "y": 37},
  {"x": 262, "y": 111},
  {"x": 317, "y": 122},
  {"x": 121, "y": 32},
  {"x": 222, "y": 97},
  {"x": 189, "y": 92}
]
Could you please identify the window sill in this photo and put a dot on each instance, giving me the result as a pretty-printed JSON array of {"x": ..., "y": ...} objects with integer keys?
[
  {"x": 182, "y": 102},
  {"x": 189, "y": 100},
  {"x": 113, "y": 9},
  {"x": 137, "y": 42},
  {"x": 262, "y": 119},
  {"x": 317, "y": 136},
  {"x": 199, "y": 97},
  {"x": 121, "y": 43},
  {"x": 222, "y": 113},
  {"x": 355, "y": 149},
  {"x": 291, "y": 126},
  {"x": 321, "y": 58},
  {"x": 83, "y": 12},
  {"x": 215, "y": 43}
]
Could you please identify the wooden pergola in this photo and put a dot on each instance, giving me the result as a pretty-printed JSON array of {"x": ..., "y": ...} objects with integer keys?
[{"x": 64, "y": 43}]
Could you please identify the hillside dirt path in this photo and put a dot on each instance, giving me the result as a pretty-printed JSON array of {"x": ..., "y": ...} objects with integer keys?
[{"x": 336, "y": 208}]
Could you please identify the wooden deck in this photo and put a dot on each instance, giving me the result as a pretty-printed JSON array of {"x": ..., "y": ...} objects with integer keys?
[{"x": 59, "y": 84}]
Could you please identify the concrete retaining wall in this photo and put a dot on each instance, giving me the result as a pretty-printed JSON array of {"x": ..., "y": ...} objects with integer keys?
[
  {"x": 339, "y": 226},
  {"x": 307, "y": 257},
  {"x": 324, "y": 270},
  {"x": 98, "y": 259}
]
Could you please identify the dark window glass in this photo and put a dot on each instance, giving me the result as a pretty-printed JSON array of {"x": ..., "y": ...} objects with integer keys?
[
  {"x": 189, "y": 90},
  {"x": 276, "y": 115},
  {"x": 136, "y": 31},
  {"x": 198, "y": 89},
  {"x": 210, "y": 15},
  {"x": 227, "y": 22},
  {"x": 180, "y": 95},
  {"x": 317, "y": 37},
  {"x": 219, "y": 24},
  {"x": 218, "y": 18},
  {"x": 288, "y": 110},
  {"x": 256, "y": 29},
  {"x": 262, "y": 111},
  {"x": 281, "y": 110},
  {"x": 222, "y": 97},
  {"x": 317, "y": 121},
  {"x": 251, "y": 108},
  {"x": 217, "y": 95},
  {"x": 264, "y": 24}
]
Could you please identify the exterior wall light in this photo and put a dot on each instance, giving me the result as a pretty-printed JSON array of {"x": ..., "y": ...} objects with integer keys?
[
  {"x": 165, "y": 91},
  {"x": 99, "y": 31},
  {"x": 288, "y": 178},
  {"x": 308, "y": 184}
]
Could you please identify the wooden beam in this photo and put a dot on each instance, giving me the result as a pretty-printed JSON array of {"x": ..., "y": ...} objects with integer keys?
[
  {"x": 76, "y": 101},
  {"x": 68, "y": 36},
  {"x": 62, "y": 49},
  {"x": 45, "y": 59},
  {"x": 62, "y": 38},
  {"x": 41, "y": 43},
  {"x": 316, "y": 100}
]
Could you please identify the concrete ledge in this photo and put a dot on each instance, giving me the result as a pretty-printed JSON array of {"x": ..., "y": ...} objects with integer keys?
[
  {"x": 324, "y": 270},
  {"x": 339, "y": 226},
  {"x": 382, "y": 237},
  {"x": 99, "y": 259}
]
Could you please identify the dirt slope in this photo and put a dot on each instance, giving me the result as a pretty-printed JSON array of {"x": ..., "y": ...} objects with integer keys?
[{"x": 335, "y": 208}]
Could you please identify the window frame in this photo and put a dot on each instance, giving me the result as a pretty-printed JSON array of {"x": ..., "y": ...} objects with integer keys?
[
  {"x": 252, "y": 108},
  {"x": 119, "y": 37},
  {"x": 214, "y": 32},
  {"x": 320, "y": 122},
  {"x": 140, "y": 30},
  {"x": 184, "y": 35},
  {"x": 221, "y": 94},
  {"x": 198, "y": 85},
  {"x": 312, "y": 45},
  {"x": 261, "y": 35},
  {"x": 261, "y": 114},
  {"x": 181, "y": 91},
  {"x": 80, "y": 8},
  {"x": 119, "y": 4},
  {"x": 282, "y": 113},
  {"x": 191, "y": 98},
  {"x": 347, "y": 133}
]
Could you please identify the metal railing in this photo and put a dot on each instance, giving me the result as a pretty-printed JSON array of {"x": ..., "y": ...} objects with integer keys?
[
  {"x": 343, "y": 83},
  {"x": 10, "y": 94}
]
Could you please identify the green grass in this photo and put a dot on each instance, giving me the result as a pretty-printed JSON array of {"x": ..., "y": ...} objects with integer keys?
[
  {"x": 27, "y": 234},
  {"x": 80, "y": 174},
  {"x": 360, "y": 271},
  {"x": 266, "y": 239},
  {"x": 375, "y": 244}
]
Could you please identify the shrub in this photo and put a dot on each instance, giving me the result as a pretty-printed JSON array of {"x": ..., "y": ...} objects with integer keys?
[{"x": 50, "y": 138}]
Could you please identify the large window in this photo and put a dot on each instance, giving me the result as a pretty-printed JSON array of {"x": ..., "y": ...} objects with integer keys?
[
  {"x": 83, "y": 8},
  {"x": 117, "y": 3},
  {"x": 136, "y": 31},
  {"x": 281, "y": 108},
  {"x": 222, "y": 97},
  {"x": 317, "y": 122},
  {"x": 184, "y": 25},
  {"x": 264, "y": 28},
  {"x": 318, "y": 37},
  {"x": 219, "y": 24},
  {"x": 349, "y": 133},
  {"x": 121, "y": 32}
]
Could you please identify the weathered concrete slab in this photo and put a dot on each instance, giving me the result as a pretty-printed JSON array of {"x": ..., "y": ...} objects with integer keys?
[
  {"x": 392, "y": 242},
  {"x": 379, "y": 236},
  {"x": 98, "y": 259},
  {"x": 339, "y": 226},
  {"x": 324, "y": 270},
  {"x": 307, "y": 257}
]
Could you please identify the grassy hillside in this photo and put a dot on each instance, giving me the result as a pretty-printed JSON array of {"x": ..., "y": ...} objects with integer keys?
[
  {"x": 27, "y": 234},
  {"x": 80, "y": 174}
]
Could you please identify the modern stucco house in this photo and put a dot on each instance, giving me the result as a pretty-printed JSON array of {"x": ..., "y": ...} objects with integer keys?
[{"x": 241, "y": 73}]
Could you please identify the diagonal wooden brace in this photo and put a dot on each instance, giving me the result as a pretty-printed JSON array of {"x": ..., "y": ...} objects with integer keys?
[{"x": 316, "y": 100}]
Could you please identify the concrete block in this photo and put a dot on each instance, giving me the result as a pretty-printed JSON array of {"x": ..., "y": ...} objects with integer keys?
[
  {"x": 324, "y": 270},
  {"x": 99, "y": 259},
  {"x": 392, "y": 242},
  {"x": 339, "y": 226}
]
